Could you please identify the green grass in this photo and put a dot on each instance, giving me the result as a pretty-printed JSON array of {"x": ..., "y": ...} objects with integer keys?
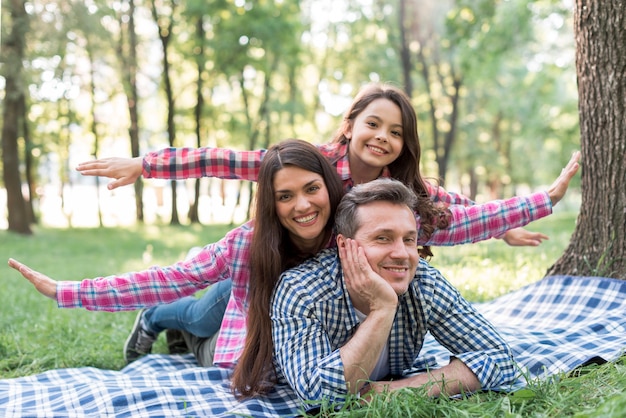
[
  {"x": 36, "y": 336},
  {"x": 593, "y": 391}
]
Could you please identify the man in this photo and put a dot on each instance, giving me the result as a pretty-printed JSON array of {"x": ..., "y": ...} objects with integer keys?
[{"x": 351, "y": 316}]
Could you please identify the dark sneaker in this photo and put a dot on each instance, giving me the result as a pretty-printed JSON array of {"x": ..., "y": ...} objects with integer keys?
[
  {"x": 176, "y": 342},
  {"x": 139, "y": 342}
]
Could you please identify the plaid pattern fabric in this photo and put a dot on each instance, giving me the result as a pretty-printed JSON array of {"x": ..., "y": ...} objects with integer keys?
[
  {"x": 479, "y": 222},
  {"x": 557, "y": 324},
  {"x": 552, "y": 326},
  {"x": 153, "y": 386},
  {"x": 183, "y": 163}
]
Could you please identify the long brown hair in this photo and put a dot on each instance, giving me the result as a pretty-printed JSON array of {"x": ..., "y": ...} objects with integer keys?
[
  {"x": 271, "y": 253},
  {"x": 406, "y": 167}
]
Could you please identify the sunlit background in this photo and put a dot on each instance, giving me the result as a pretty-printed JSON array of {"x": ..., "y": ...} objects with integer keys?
[{"x": 494, "y": 78}]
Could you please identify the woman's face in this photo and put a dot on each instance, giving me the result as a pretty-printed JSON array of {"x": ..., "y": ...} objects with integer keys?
[
  {"x": 302, "y": 206},
  {"x": 376, "y": 135}
]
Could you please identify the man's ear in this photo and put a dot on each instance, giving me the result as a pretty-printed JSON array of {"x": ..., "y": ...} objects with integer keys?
[{"x": 341, "y": 241}]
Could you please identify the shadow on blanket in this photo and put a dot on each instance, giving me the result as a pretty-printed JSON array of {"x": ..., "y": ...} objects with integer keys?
[{"x": 553, "y": 326}]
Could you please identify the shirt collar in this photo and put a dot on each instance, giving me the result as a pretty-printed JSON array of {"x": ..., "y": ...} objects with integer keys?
[{"x": 340, "y": 155}]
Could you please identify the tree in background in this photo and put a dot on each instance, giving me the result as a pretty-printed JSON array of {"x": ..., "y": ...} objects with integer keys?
[
  {"x": 598, "y": 244},
  {"x": 13, "y": 43},
  {"x": 127, "y": 54},
  {"x": 163, "y": 14},
  {"x": 247, "y": 74}
]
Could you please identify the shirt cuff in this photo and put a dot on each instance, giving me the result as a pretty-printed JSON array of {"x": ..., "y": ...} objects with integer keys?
[
  {"x": 68, "y": 294},
  {"x": 145, "y": 163}
]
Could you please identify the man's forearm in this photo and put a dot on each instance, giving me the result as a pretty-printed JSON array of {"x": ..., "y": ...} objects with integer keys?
[
  {"x": 451, "y": 379},
  {"x": 360, "y": 354}
]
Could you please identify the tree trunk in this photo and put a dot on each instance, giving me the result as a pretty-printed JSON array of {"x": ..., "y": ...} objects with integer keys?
[
  {"x": 405, "y": 52},
  {"x": 13, "y": 53},
  {"x": 133, "y": 100},
  {"x": 28, "y": 163},
  {"x": 598, "y": 244},
  {"x": 194, "y": 216},
  {"x": 165, "y": 27},
  {"x": 94, "y": 121},
  {"x": 127, "y": 53}
]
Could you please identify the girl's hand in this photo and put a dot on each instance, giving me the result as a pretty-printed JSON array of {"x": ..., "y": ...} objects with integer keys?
[
  {"x": 125, "y": 171},
  {"x": 560, "y": 185},
  {"x": 519, "y": 237}
]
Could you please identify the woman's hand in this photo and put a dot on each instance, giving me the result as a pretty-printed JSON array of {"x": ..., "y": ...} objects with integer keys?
[
  {"x": 125, "y": 171},
  {"x": 44, "y": 284}
]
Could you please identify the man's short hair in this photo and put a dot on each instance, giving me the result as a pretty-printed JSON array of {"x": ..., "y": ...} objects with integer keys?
[{"x": 379, "y": 190}]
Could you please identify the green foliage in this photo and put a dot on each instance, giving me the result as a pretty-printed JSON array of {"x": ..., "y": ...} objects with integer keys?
[
  {"x": 502, "y": 268},
  {"x": 272, "y": 69}
]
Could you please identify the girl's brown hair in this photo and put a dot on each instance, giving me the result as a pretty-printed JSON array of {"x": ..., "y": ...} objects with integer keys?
[{"x": 271, "y": 253}]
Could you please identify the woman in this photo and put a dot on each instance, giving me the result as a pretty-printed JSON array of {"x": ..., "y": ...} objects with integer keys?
[{"x": 297, "y": 197}]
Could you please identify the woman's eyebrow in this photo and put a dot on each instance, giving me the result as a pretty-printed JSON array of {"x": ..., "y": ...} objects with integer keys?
[{"x": 303, "y": 186}]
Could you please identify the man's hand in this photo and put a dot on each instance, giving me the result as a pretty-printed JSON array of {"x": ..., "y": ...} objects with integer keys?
[
  {"x": 368, "y": 291},
  {"x": 44, "y": 284},
  {"x": 519, "y": 237},
  {"x": 559, "y": 187},
  {"x": 374, "y": 297},
  {"x": 452, "y": 379},
  {"x": 125, "y": 171}
]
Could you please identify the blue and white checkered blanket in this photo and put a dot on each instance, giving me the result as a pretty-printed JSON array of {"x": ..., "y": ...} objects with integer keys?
[{"x": 553, "y": 326}]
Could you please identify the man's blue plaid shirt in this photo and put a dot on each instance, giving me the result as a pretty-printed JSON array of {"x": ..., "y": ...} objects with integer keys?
[{"x": 312, "y": 317}]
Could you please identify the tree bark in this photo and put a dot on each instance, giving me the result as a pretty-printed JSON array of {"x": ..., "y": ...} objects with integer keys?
[
  {"x": 405, "y": 52},
  {"x": 133, "y": 100},
  {"x": 165, "y": 26},
  {"x": 13, "y": 54},
  {"x": 28, "y": 163},
  {"x": 127, "y": 53},
  {"x": 194, "y": 216},
  {"x": 598, "y": 244}
]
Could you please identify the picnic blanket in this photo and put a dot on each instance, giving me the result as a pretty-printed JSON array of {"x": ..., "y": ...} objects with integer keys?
[{"x": 553, "y": 326}]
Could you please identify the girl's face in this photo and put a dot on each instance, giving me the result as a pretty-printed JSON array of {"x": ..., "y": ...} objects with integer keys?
[
  {"x": 302, "y": 206},
  {"x": 376, "y": 135}
]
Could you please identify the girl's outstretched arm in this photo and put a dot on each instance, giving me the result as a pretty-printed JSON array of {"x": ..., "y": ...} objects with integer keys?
[{"x": 178, "y": 164}]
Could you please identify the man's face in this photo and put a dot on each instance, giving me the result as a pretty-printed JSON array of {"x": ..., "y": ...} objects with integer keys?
[{"x": 388, "y": 235}]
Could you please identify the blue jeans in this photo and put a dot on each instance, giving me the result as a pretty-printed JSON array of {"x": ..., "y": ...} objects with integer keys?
[{"x": 201, "y": 317}]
